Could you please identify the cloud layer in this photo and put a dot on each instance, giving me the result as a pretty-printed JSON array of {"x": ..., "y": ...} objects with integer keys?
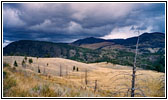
[{"x": 66, "y": 22}]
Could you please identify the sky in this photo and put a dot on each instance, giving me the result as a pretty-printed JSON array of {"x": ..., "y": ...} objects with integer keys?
[{"x": 67, "y": 22}]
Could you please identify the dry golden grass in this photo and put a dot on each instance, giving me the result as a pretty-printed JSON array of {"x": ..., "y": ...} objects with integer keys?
[
  {"x": 112, "y": 80},
  {"x": 27, "y": 84}
]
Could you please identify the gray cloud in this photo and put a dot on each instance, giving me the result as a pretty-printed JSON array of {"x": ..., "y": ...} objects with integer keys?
[{"x": 65, "y": 22}]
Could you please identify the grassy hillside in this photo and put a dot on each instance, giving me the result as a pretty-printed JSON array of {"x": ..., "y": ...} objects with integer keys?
[
  {"x": 153, "y": 60},
  {"x": 112, "y": 80}
]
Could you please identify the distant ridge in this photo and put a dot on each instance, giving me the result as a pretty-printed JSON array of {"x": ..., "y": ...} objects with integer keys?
[
  {"x": 155, "y": 39},
  {"x": 89, "y": 40}
]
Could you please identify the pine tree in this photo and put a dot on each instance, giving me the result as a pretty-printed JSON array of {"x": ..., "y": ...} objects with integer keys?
[
  {"x": 15, "y": 64},
  {"x": 25, "y": 58},
  {"x": 77, "y": 69},
  {"x": 23, "y": 62},
  {"x": 73, "y": 68},
  {"x": 30, "y": 61}
]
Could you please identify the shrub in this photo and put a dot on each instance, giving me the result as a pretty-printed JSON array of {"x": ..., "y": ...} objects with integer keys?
[
  {"x": 25, "y": 58},
  {"x": 38, "y": 69},
  {"x": 4, "y": 74},
  {"x": 15, "y": 64},
  {"x": 47, "y": 91},
  {"x": 23, "y": 63},
  {"x": 6, "y": 64},
  {"x": 8, "y": 83},
  {"x": 73, "y": 68},
  {"x": 36, "y": 88},
  {"x": 30, "y": 61},
  {"x": 77, "y": 69}
]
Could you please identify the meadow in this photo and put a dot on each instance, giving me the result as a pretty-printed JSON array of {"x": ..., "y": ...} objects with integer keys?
[{"x": 60, "y": 77}]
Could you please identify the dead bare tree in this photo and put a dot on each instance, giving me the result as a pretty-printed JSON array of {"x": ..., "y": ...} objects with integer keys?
[
  {"x": 95, "y": 88},
  {"x": 60, "y": 70},
  {"x": 134, "y": 69},
  {"x": 124, "y": 88},
  {"x": 86, "y": 81},
  {"x": 132, "y": 85},
  {"x": 81, "y": 79},
  {"x": 38, "y": 69},
  {"x": 66, "y": 71},
  {"x": 44, "y": 70}
]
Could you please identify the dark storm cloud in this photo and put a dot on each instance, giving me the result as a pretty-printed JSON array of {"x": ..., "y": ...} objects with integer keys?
[{"x": 67, "y": 22}]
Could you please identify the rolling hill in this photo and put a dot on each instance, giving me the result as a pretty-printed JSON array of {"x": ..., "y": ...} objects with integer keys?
[
  {"x": 112, "y": 80},
  {"x": 89, "y": 50}
]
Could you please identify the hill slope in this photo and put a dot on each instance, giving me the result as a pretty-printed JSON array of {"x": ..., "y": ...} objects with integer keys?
[
  {"x": 48, "y": 49},
  {"x": 89, "y": 40},
  {"x": 146, "y": 40},
  {"x": 120, "y": 51},
  {"x": 112, "y": 80}
]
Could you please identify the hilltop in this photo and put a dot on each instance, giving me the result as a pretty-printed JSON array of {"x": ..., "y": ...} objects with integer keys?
[{"x": 146, "y": 40}]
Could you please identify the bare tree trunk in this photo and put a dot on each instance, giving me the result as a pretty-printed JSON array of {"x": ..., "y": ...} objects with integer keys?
[
  {"x": 66, "y": 71},
  {"x": 44, "y": 70},
  {"x": 86, "y": 81},
  {"x": 14, "y": 59},
  {"x": 81, "y": 78},
  {"x": 95, "y": 86},
  {"x": 60, "y": 70},
  {"x": 37, "y": 65},
  {"x": 134, "y": 69},
  {"x": 39, "y": 70}
]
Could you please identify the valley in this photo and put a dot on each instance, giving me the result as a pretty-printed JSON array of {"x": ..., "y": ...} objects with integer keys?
[{"x": 83, "y": 50}]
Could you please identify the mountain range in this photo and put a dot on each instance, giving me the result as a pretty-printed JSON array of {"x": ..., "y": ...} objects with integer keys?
[
  {"x": 146, "y": 40},
  {"x": 117, "y": 51}
]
